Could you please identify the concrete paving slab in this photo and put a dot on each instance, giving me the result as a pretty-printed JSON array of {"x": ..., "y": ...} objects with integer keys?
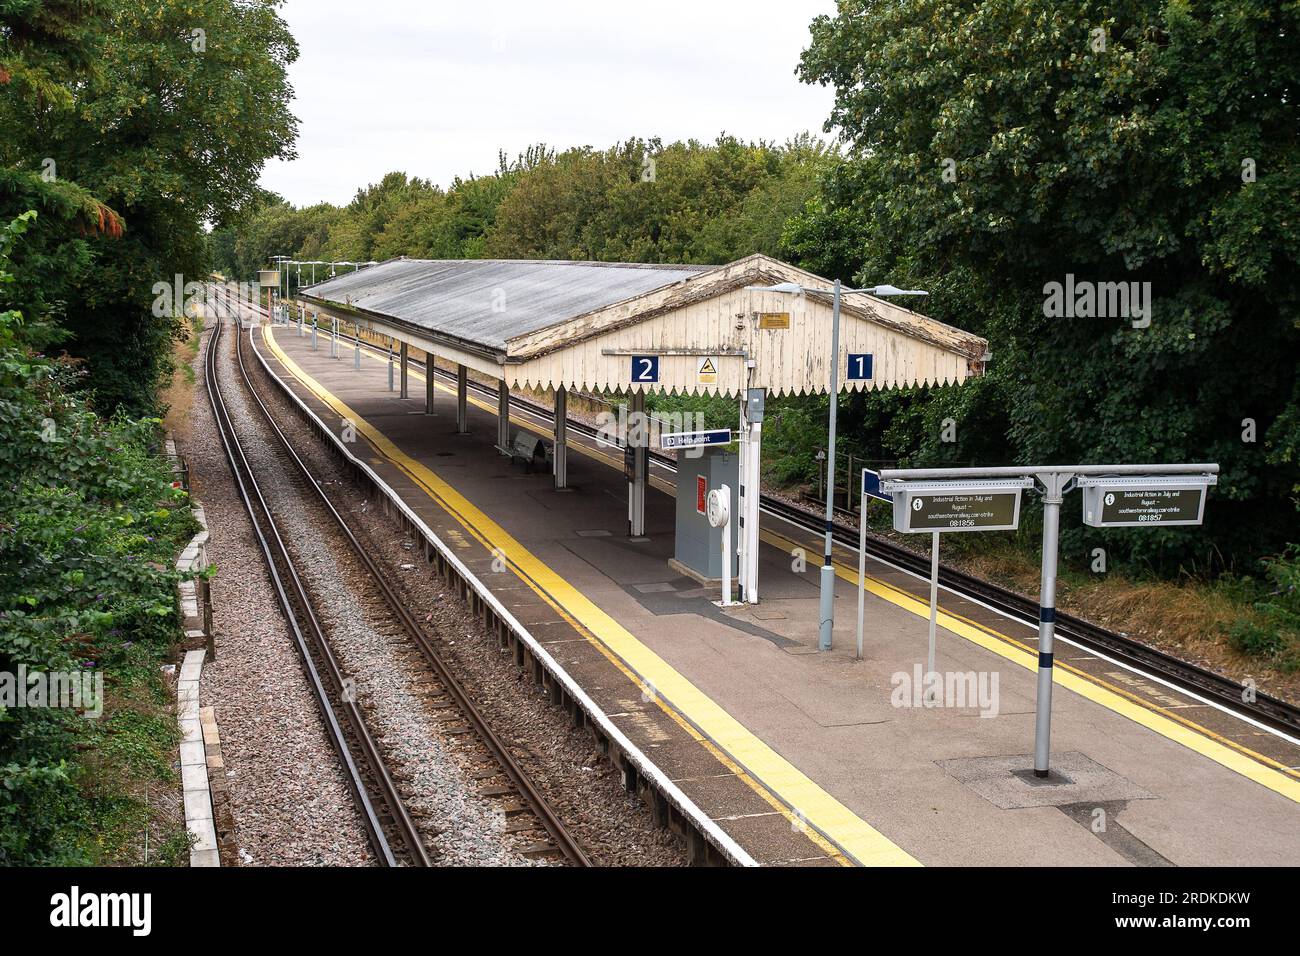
[
  {"x": 1010, "y": 783},
  {"x": 192, "y": 753},
  {"x": 198, "y": 805},
  {"x": 194, "y": 776}
]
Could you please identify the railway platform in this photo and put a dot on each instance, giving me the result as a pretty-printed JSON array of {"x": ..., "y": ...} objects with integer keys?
[{"x": 808, "y": 757}]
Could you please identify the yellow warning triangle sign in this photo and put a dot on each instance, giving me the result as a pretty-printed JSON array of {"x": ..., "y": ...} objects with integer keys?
[{"x": 706, "y": 367}]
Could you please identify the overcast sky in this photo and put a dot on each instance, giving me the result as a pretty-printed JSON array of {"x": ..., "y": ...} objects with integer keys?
[{"x": 436, "y": 88}]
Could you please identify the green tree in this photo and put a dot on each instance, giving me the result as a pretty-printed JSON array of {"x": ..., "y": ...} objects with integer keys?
[
  {"x": 167, "y": 112},
  {"x": 88, "y": 528},
  {"x": 999, "y": 145},
  {"x": 642, "y": 201}
]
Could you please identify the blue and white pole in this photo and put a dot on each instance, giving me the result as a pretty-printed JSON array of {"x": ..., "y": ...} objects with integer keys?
[
  {"x": 827, "y": 606},
  {"x": 1054, "y": 486}
]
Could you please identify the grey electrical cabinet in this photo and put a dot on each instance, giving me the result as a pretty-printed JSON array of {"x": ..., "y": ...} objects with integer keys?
[{"x": 698, "y": 546}]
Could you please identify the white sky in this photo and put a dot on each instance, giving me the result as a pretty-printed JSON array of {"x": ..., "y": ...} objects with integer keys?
[{"x": 436, "y": 88}]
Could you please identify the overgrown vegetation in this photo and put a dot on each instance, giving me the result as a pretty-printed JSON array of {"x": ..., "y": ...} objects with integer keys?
[
  {"x": 89, "y": 526},
  {"x": 125, "y": 126},
  {"x": 640, "y": 201},
  {"x": 995, "y": 146},
  {"x": 128, "y": 126},
  {"x": 1272, "y": 633}
]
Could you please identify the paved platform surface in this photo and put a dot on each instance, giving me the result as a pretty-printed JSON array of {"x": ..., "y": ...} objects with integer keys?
[{"x": 808, "y": 757}]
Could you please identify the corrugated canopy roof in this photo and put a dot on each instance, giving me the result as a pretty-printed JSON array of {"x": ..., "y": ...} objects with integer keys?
[{"x": 487, "y": 301}]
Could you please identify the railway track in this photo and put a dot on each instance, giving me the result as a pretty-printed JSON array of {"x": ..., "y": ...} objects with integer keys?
[
  {"x": 515, "y": 781},
  {"x": 391, "y": 831},
  {"x": 1269, "y": 711}
]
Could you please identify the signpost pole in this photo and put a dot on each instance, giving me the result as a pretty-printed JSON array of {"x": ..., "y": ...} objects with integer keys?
[
  {"x": 862, "y": 557},
  {"x": 754, "y": 419},
  {"x": 827, "y": 614},
  {"x": 742, "y": 501},
  {"x": 1054, "y": 484},
  {"x": 725, "y": 492},
  {"x": 967, "y": 499},
  {"x": 934, "y": 603}
]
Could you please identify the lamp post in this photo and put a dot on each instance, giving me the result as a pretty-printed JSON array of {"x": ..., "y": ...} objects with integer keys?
[{"x": 826, "y": 622}]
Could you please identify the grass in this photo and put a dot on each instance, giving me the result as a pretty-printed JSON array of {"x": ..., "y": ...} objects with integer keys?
[
  {"x": 126, "y": 768},
  {"x": 127, "y": 774},
  {"x": 178, "y": 396}
]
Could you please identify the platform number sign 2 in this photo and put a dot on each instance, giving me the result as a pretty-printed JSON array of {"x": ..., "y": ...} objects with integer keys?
[
  {"x": 645, "y": 369},
  {"x": 859, "y": 366}
]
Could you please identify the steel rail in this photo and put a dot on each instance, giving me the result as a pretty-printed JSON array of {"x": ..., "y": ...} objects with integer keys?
[
  {"x": 308, "y": 632},
  {"x": 519, "y": 778}
]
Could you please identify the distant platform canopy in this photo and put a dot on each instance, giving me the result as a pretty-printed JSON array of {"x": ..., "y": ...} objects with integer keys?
[{"x": 603, "y": 326}]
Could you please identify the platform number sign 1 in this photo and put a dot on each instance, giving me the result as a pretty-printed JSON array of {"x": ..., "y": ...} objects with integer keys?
[
  {"x": 645, "y": 369},
  {"x": 859, "y": 366}
]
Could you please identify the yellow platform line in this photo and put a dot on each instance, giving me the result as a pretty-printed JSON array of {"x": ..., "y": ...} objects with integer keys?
[
  {"x": 808, "y": 801},
  {"x": 1224, "y": 751}
]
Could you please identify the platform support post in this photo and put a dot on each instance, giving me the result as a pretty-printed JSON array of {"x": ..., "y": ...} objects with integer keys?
[
  {"x": 637, "y": 437},
  {"x": 430, "y": 383},
  {"x": 315, "y": 328},
  {"x": 391, "y": 385},
  {"x": 406, "y": 370},
  {"x": 725, "y": 492},
  {"x": 356, "y": 348},
  {"x": 751, "y": 455},
  {"x": 741, "y": 502},
  {"x": 462, "y": 400},
  {"x": 503, "y": 416},
  {"x": 559, "y": 457},
  {"x": 334, "y": 338},
  {"x": 934, "y": 607},
  {"x": 301, "y": 313},
  {"x": 751, "y": 505},
  {"x": 862, "y": 566},
  {"x": 1054, "y": 485}
]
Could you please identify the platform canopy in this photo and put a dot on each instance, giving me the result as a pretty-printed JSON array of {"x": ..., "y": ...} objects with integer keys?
[{"x": 544, "y": 324}]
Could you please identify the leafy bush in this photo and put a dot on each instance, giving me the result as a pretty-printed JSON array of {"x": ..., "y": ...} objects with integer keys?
[
  {"x": 1273, "y": 633},
  {"x": 88, "y": 527}
]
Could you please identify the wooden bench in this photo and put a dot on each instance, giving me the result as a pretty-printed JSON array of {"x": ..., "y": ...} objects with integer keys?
[{"x": 528, "y": 448}]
